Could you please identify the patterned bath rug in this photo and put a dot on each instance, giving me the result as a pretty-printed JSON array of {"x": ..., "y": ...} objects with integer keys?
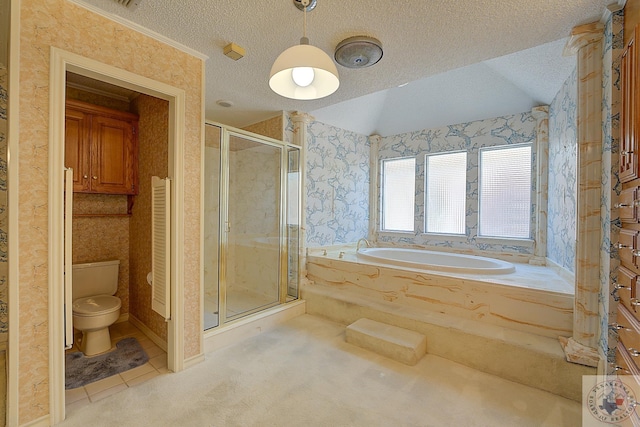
[{"x": 82, "y": 370}]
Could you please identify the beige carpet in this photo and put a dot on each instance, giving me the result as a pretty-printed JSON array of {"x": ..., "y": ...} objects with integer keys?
[{"x": 302, "y": 373}]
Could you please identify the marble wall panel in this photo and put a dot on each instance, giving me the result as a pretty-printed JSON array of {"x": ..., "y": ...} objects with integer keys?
[{"x": 613, "y": 45}]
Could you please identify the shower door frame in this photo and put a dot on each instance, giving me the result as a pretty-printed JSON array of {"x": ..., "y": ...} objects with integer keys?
[{"x": 223, "y": 221}]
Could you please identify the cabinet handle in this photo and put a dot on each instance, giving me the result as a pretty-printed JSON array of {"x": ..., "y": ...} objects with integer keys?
[
  {"x": 634, "y": 251},
  {"x": 617, "y": 287},
  {"x": 633, "y": 204},
  {"x": 634, "y": 302},
  {"x": 617, "y": 327},
  {"x": 95, "y": 177},
  {"x": 632, "y": 351},
  {"x": 626, "y": 153},
  {"x": 620, "y": 368},
  {"x": 85, "y": 176}
]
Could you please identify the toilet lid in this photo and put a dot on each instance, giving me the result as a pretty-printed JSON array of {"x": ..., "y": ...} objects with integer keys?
[{"x": 96, "y": 305}]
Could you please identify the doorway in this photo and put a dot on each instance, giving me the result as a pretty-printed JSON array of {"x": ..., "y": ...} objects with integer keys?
[{"x": 61, "y": 63}]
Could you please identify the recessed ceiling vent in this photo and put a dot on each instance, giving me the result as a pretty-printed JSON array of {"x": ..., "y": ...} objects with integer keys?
[
  {"x": 129, "y": 4},
  {"x": 358, "y": 52}
]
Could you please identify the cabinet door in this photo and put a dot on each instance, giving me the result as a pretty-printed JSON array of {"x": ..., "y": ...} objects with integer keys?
[
  {"x": 628, "y": 143},
  {"x": 76, "y": 149},
  {"x": 113, "y": 155},
  {"x": 628, "y": 240},
  {"x": 628, "y": 205}
]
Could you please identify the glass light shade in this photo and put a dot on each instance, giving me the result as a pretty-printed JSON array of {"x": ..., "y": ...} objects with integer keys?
[{"x": 325, "y": 80}]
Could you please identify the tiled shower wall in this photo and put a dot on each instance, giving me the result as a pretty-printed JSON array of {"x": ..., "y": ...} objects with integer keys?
[
  {"x": 563, "y": 145},
  {"x": 513, "y": 129}
]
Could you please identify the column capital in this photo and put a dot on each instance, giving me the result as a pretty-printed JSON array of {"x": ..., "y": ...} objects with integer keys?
[
  {"x": 541, "y": 112},
  {"x": 375, "y": 138},
  {"x": 299, "y": 117},
  {"x": 583, "y": 35}
]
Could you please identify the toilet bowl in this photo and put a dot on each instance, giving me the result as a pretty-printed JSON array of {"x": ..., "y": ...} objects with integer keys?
[
  {"x": 93, "y": 316},
  {"x": 94, "y": 306}
]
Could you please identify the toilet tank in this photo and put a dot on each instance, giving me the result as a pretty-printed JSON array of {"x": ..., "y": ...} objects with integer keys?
[{"x": 95, "y": 278}]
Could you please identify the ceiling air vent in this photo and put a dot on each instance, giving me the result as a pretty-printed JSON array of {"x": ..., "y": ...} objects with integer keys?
[{"x": 129, "y": 4}]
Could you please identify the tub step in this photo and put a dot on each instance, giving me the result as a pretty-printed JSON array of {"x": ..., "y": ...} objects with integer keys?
[{"x": 391, "y": 341}]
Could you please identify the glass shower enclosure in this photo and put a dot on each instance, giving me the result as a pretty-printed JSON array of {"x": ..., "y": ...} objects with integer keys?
[{"x": 251, "y": 217}]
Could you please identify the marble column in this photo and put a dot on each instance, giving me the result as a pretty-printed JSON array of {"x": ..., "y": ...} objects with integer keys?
[
  {"x": 300, "y": 123},
  {"x": 374, "y": 144},
  {"x": 586, "y": 43},
  {"x": 541, "y": 114}
]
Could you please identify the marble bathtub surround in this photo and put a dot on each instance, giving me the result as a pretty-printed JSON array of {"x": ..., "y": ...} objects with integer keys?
[
  {"x": 534, "y": 299},
  {"x": 585, "y": 42}
]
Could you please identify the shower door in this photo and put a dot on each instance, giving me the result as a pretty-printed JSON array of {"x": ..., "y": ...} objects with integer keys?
[
  {"x": 251, "y": 224},
  {"x": 251, "y": 239}
]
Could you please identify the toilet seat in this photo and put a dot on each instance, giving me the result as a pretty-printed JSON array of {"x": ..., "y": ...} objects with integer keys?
[{"x": 96, "y": 305}]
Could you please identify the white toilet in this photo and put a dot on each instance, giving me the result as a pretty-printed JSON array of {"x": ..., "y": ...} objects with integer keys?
[{"x": 94, "y": 306}]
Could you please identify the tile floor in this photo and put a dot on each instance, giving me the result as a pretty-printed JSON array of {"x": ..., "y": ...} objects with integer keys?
[{"x": 95, "y": 391}]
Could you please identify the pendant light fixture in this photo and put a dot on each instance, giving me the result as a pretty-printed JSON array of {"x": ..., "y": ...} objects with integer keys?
[{"x": 304, "y": 72}]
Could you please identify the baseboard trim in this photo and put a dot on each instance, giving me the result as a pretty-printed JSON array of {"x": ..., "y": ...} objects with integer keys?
[
  {"x": 193, "y": 360},
  {"x": 124, "y": 317},
  {"x": 43, "y": 421},
  {"x": 148, "y": 332}
]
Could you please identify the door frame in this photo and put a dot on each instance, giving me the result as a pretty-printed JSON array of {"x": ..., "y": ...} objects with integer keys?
[{"x": 61, "y": 62}]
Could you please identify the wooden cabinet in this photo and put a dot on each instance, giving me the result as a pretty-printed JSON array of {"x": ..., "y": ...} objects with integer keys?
[
  {"x": 628, "y": 113},
  {"x": 627, "y": 289},
  {"x": 101, "y": 145}
]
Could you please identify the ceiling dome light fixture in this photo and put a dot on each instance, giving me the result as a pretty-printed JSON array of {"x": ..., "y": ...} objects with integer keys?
[
  {"x": 358, "y": 52},
  {"x": 304, "y": 72}
]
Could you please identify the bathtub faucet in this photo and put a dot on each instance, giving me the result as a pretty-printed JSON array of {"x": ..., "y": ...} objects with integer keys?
[{"x": 360, "y": 241}]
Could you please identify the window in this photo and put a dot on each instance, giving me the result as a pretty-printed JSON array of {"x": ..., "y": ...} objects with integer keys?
[
  {"x": 398, "y": 194},
  {"x": 505, "y": 192},
  {"x": 445, "y": 192}
]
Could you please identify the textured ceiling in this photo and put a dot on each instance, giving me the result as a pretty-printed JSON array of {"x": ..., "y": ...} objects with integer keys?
[{"x": 457, "y": 55}]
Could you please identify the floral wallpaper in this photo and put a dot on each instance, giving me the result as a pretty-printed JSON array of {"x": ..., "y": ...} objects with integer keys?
[
  {"x": 3, "y": 203},
  {"x": 471, "y": 136},
  {"x": 337, "y": 174},
  {"x": 563, "y": 145}
]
